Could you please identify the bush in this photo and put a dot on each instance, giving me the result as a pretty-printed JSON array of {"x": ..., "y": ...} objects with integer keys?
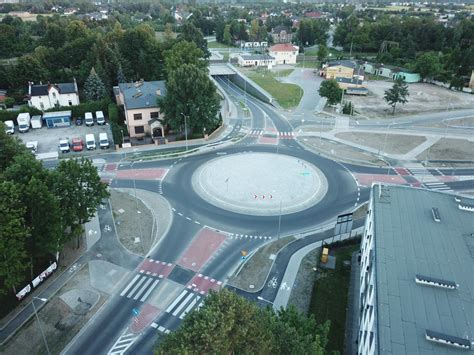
[
  {"x": 81, "y": 109},
  {"x": 117, "y": 128},
  {"x": 12, "y": 115},
  {"x": 348, "y": 108}
]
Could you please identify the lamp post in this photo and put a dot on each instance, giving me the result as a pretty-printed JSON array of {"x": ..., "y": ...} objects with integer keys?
[
  {"x": 260, "y": 298},
  {"x": 39, "y": 323},
  {"x": 185, "y": 131}
]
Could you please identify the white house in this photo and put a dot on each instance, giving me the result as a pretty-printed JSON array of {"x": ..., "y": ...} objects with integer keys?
[
  {"x": 284, "y": 53},
  {"x": 256, "y": 60},
  {"x": 44, "y": 97}
]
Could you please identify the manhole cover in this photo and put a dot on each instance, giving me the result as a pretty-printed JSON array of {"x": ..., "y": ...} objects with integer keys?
[{"x": 251, "y": 286}]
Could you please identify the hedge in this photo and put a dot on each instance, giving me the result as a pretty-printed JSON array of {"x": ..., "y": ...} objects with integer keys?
[
  {"x": 12, "y": 115},
  {"x": 79, "y": 111},
  {"x": 115, "y": 126}
]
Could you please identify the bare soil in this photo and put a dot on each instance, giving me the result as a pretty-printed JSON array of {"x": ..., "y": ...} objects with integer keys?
[
  {"x": 341, "y": 151},
  {"x": 134, "y": 222},
  {"x": 449, "y": 149},
  {"x": 423, "y": 98},
  {"x": 256, "y": 269},
  {"x": 389, "y": 143}
]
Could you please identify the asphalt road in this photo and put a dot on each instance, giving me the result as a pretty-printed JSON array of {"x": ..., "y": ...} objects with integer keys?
[{"x": 106, "y": 328}]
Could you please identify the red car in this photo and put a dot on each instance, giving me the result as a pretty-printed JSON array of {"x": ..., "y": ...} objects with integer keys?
[{"x": 77, "y": 144}]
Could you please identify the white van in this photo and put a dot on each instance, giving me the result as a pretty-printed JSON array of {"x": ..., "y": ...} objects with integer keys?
[
  {"x": 103, "y": 140},
  {"x": 89, "y": 119},
  {"x": 90, "y": 141},
  {"x": 9, "y": 127},
  {"x": 23, "y": 120},
  {"x": 99, "y": 115}
]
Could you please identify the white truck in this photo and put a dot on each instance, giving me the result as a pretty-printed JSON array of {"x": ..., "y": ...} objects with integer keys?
[
  {"x": 99, "y": 115},
  {"x": 103, "y": 141},
  {"x": 9, "y": 127},
  {"x": 88, "y": 119},
  {"x": 36, "y": 122},
  {"x": 90, "y": 141},
  {"x": 64, "y": 145},
  {"x": 23, "y": 120}
]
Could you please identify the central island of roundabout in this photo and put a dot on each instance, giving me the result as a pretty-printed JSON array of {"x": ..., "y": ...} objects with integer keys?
[{"x": 260, "y": 183}]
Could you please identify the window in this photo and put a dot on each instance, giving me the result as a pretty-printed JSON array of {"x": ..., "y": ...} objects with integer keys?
[
  {"x": 139, "y": 129},
  {"x": 70, "y": 103},
  {"x": 154, "y": 115},
  {"x": 137, "y": 116},
  {"x": 54, "y": 94},
  {"x": 42, "y": 105}
]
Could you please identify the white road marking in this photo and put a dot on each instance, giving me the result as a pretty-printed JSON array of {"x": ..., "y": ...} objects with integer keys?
[
  {"x": 130, "y": 285},
  {"x": 149, "y": 291},
  {"x": 188, "y": 308},
  {"x": 136, "y": 286},
  {"x": 181, "y": 306},
  {"x": 175, "y": 302}
]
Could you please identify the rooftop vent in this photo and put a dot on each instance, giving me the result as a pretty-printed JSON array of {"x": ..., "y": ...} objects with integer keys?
[
  {"x": 448, "y": 340},
  {"x": 436, "y": 216},
  {"x": 431, "y": 281}
]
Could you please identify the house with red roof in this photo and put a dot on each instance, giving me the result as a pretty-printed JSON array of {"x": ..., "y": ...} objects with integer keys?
[{"x": 284, "y": 53}]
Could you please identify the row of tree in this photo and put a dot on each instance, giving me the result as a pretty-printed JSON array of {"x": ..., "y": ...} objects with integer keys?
[
  {"x": 229, "y": 324},
  {"x": 41, "y": 209},
  {"x": 402, "y": 40}
]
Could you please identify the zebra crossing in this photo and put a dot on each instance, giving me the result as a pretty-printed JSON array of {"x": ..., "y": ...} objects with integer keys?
[
  {"x": 185, "y": 303},
  {"x": 430, "y": 181},
  {"x": 140, "y": 287},
  {"x": 123, "y": 343},
  {"x": 282, "y": 135}
]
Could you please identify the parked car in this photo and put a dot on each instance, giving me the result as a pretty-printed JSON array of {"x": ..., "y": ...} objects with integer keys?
[
  {"x": 89, "y": 119},
  {"x": 90, "y": 141},
  {"x": 32, "y": 146},
  {"x": 64, "y": 145},
  {"x": 77, "y": 144},
  {"x": 103, "y": 140},
  {"x": 78, "y": 122},
  {"x": 9, "y": 127},
  {"x": 99, "y": 115}
]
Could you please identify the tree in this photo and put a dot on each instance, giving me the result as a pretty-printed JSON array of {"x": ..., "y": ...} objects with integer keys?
[
  {"x": 227, "y": 37},
  {"x": 94, "y": 88},
  {"x": 13, "y": 234},
  {"x": 322, "y": 52},
  {"x": 79, "y": 191},
  {"x": 190, "y": 93},
  {"x": 191, "y": 33},
  {"x": 330, "y": 89},
  {"x": 184, "y": 52},
  {"x": 428, "y": 65},
  {"x": 228, "y": 324},
  {"x": 397, "y": 94}
]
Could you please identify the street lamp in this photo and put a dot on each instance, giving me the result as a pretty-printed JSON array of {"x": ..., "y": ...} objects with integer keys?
[
  {"x": 39, "y": 323},
  {"x": 264, "y": 300},
  {"x": 185, "y": 131}
]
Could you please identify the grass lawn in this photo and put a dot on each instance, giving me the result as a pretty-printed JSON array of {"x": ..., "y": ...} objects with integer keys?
[
  {"x": 329, "y": 298},
  {"x": 216, "y": 44},
  {"x": 311, "y": 52},
  {"x": 287, "y": 95}
]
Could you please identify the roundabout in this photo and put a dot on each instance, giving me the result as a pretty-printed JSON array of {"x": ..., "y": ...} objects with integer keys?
[{"x": 260, "y": 184}]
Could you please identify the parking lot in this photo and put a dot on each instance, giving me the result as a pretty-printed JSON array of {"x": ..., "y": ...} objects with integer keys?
[{"x": 48, "y": 138}]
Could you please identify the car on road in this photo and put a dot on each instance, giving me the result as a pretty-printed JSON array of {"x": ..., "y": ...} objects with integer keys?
[
  {"x": 64, "y": 145},
  {"x": 77, "y": 144}
]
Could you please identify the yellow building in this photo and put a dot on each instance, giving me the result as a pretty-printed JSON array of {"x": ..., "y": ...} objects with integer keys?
[{"x": 340, "y": 69}]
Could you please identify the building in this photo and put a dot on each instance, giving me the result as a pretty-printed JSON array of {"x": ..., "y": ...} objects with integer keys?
[
  {"x": 284, "y": 53},
  {"x": 353, "y": 86},
  {"x": 281, "y": 34},
  {"x": 44, "y": 97},
  {"x": 140, "y": 102},
  {"x": 256, "y": 60},
  {"x": 57, "y": 119},
  {"x": 417, "y": 267},
  {"x": 391, "y": 72},
  {"x": 340, "y": 69}
]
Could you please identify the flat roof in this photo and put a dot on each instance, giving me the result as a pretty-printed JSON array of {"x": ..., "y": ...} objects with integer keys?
[
  {"x": 408, "y": 241},
  {"x": 56, "y": 114}
]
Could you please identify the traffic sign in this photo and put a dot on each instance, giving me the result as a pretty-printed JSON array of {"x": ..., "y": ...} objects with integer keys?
[{"x": 135, "y": 312}]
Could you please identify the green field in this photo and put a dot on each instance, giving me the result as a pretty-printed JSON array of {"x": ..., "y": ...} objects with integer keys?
[
  {"x": 308, "y": 64},
  {"x": 216, "y": 44},
  {"x": 329, "y": 298},
  {"x": 287, "y": 95}
]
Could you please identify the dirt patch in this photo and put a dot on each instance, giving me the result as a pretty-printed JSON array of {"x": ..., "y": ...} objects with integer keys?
[
  {"x": 389, "y": 143},
  {"x": 449, "y": 149},
  {"x": 423, "y": 98},
  {"x": 360, "y": 212},
  {"x": 134, "y": 222},
  {"x": 461, "y": 122},
  {"x": 300, "y": 295},
  {"x": 341, "y": 152},
  {"x": 58, "y": 321},
  {"x": 256, "y": 269}
]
